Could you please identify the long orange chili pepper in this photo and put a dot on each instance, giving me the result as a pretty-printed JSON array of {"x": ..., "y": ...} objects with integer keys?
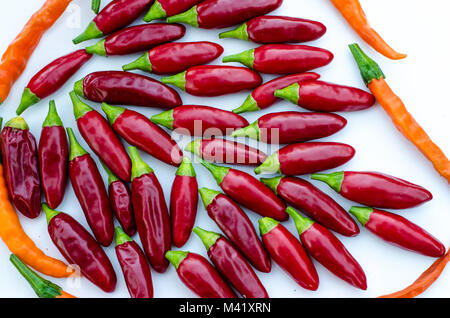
[
  {"x": 16, "y": 57},
  {"x": 393, "y": 105},
  {"x": 352, "y": 12}
]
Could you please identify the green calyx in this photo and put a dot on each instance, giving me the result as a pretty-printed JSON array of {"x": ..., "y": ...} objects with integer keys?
[
  {"x": 164, "y": 119},
  {"x": 289, "y": 93},
  {"x": 111, "y": 176},
  {"x": 302, "y": 223},
  {"x": 91, "y": 32},
  {"x": 75, "y": 148},
  {"x": 194, "y": 147},
  {"x": 176, "y": 257},
  {"x": 334, "y": 180},
  {"x": 179, "y": 80},
  {"x": 270, "y": 165},
  {"x": 142, "y": 63},
  {"x": 361, "y": 213},
  {"x": 247, "y": 58},
  {"x": 272, "y": 183},
  {"x": 189, "y": 17},
  {"x": 52, "y": 118},
  {"x": 369, "y": 68},
  {"x": 112, "y": 112},
  {"x": 219, "y": 173},
  {"x": 17, "y": 123},
  {"x": 79, "y": 108},
  {"x": 49, "y": 213},
  {"x": 239, "y": 33},
  {"x": 252, "y": 131},
  {"x": 208, "y": 238},
  {"x": 208, "y": 196},
  {"x": 78, "y": 88},
  {"x": 186, "y": 169},
  {"x": 249, "y": 105},
  {"x": 266, "y": 225},
  {"x": 95, "y": 6},
  {"x": 98, "y": 48},
  {"x": 156, "y": 12},
  {"x": 28, "y": 99},
  {"x": 138, "y": 166},
  {"x": 121, "y": 236}
]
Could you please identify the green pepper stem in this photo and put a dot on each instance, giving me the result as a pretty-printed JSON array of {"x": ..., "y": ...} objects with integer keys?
[
  {"x": 164, "y": 119},
  {"x": 249, "y": 105},
  {"x": 219, "y": 173},
  {"x": 138, "y": 166},
  {"x": 75, "y": 148},
  {"x": 189, "y": 17},
  {"x": 247, "y": 58},
  {"x": 49, "y": 213},
  {"x": 28, "y": 99},
  {"x": 111, "y": 176},
  {"x": 194, "y": 147},
  {"x": 208, "y": 238},
  {"x": 369, "y": 69},
  {"x": 176, "y": 257},
  {"x": 302, "y": 223},
  {"x": 290, "y": 93},
  {"x": 334, "y": 180},
  {"x": 239, "y": 33},
  {"x": 361, "y": 213},
  {"x": 179, "y": 80},
  {"x": 252, "y": 131},
  {"x": 17, "y": 123},
  {"x": 270, "y": 165},
  {"x": 208, "y": 196},
  {"x": 266, "y": 225},
  {"x": 142, "y": 63},
  {"x": 79, "y": 108},
  {"x": 112, "y": 112},
  {"x": 95, "y": 6},
  {"x": 121, "y": 236},
  {"x": 186, "y": 168},
  {"x": 91, "y": 32},
  {"x": 156, "y": 12},
  {"x": 272, "y": 183},
  {"x": 98, "y": 48},
  {"x": 52, "y": 118},
  {"x": 78, "y": 88}
]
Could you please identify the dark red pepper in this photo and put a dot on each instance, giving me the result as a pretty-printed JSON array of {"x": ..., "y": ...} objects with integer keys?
[
  {"x": 90, "y": 192},
  {"x": 53, "y": 158},
  {"x": 277, "y": 29},
  {"x": 167, "y": 8},
  {"x": 237, "y": 227},
  {"x": 150, "y": 212},
  {"x": 115, "y": 16},
  {"x": 304, "y": 196},
  {"x": 21, "y": 167},
  {"x": 176, "y": 57},
  {"x": 199, "y": 275},
  {"x": 292, "y": 127},
  {"x": 216, "y": 14},
  {"x": 326, "y": 248},
  {"x": 232, "y": 265},
  {"x": 135, "y": 268},
  {"x": 124, "y": 88},
  {"x": 214, "y": 80},
  {"x": 183, "y": 203},
  {"x": 101, "y": 138},
  {"x": 139, "y": 131},
  {"x": 397, "y": 230},
  {"x": 288, "y": 253},
  {"x": 282, "y": 58},
  {"x": 51, "y": 78},
  {"x": 80, "y": 248},
  {"x": 326, "y": 97},
  {"x": 308, "y": 157},
  {"x": 376, "y": 189}
]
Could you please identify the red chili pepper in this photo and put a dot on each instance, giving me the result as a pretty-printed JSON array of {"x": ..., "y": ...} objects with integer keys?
[
  {"x": 282, "y": 58},
  {"x": 53, "y": 158},
  {"x": 21, "y": 168},
  {"x": 226, "y": 151},
  {"x": 101, "y": 138},
  {"x": 313, "y": 202},
  {"x": 399, "y": 231},
  {"x": 150, "y": 212},
  {"x": 90, "y": 192},
  {"x": 326, "y": 97},
  {"x": 237, "y": 227},
  {"x": 137, "y": 39},
  {"x": 80, "y": 248},
  {"x": 116, "y": 15},
  {"x": 139, "y": 131},
  {"x": 214, "y": 80},
  {"x": 176, "y": 57},
  {"x": 248, "y": 191},
  {"x": 200, "y": 120},
  {"x": 288, "y": 253},
  {"x": 232, "y": 265},
  {"x": 308, "y": 157},
  {"x": 216, "y": 14},
  {"x": 277, "y": 29},
  {"x": 124, "y": 88},
  {"x": 292, "y": 127},
  {"x": 199, "y": 275},
  {"x": 183, "y": 203},
  {"x": 51, "y": 78},
  {"x": 167, "y": 8},
  {"x": 376, "y": 189},
  {"x": 326, "y": 248},
  {"x": 263, "y": 96},
  {"x": 135, "y": 268}
]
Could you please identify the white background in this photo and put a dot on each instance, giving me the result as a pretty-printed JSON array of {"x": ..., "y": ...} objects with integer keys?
[{"x": 421, "y": 81}]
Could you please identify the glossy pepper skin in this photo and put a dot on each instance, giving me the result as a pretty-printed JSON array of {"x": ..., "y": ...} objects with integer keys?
[
  {"x": 101, "y": 138},
  {"x": 80, "y": 248},
  {"x": 150, "y": 212},
  {"x": 397, "y": 230},
  {"x": 292, "y": 127},
  {"x": 197, "y": 120},
  {"x": 51, "y": 78},
  {"x": 21, "y": 167},
  {"x": 376, "y": 189},
  {"x": 137, "y": 39},
  {"x": 167, "y": 8},
  {"x": 308, "y": 157},
  {"x": 199, "y": 275},
  {"x": 282, "y": 58},
  {"x": 177, "y": 57},
  {"x": 288, "y": 253},
  {"x": 237, "y": 226},
  {"x": 135, "y": 268},
  {"x": 183, "y": 203},
  {"x": 307, "y": 198},
  {"x": 326, "y": 248},
  {"x": 90, "y": 191},
  {"x": 53, "y": 158},
  {"x": 139, "y": 131},
  {"x": 214, "y": 80},
  {"x": 326, "y": 97},
  {"x": 277, "y": 29},
  {"x": 124, "y": 88},
  {"x": 232, "y": 265}
]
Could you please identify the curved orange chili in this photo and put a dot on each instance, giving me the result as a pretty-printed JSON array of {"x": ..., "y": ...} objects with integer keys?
[
  {"x": 16, "y": 57},
  {"x": 352, "y": 11}
]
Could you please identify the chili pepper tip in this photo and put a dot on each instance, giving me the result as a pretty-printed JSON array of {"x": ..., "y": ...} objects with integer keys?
[
  {"x": 208, "y": 238},
  {"x": 112, "y": 112},
  {"x": 266, "y": 225},
  {"x": 361, "y": 213},
  {"x": 208, "y": 196},
  {"x": 156, "y": 12},
  {"x": 49, "y": 213},
  {"x": 91, "y": 32},
  {"x": 239, "y": 33},
  {"x": 289, "y": 93},
  {"x": 249, "y": 105},
  {"x": 189, "y": 17},
  {"x": 75, "y": 148},
  {"x": 247, "y": 58},
  {"x": 251, "y": 131},
  {"x": 270, "y": 165},
  {"x": 369, "y": 68},
  {"x": 164, "y": 119},
  {"x": 28, "y": 99},
  {"x": 138, "y": 166},
  {"x": 179, "y": 80},
  {"x": 302, "y": 223},
  {"x": 186, "y": 168},
  {"x": 78, "y": 88},
  {"x": 121, "y": 236},
  {"x": 17, "y": 123},
  {"x": 52, "y": 119},
  {"x": 272, "y": 183},
  {"x": 142, "y": 63},
  {"x": 98, "y": 48},
  {"x": 334, "y": 180},
  {"x": 176, "y": 257}
]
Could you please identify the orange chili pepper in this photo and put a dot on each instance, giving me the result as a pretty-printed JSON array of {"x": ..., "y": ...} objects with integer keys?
[
  {"x": 16, "y": 57},
  {"x": 393, "y": 105},
  {"x": 352, "y": 12}
]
